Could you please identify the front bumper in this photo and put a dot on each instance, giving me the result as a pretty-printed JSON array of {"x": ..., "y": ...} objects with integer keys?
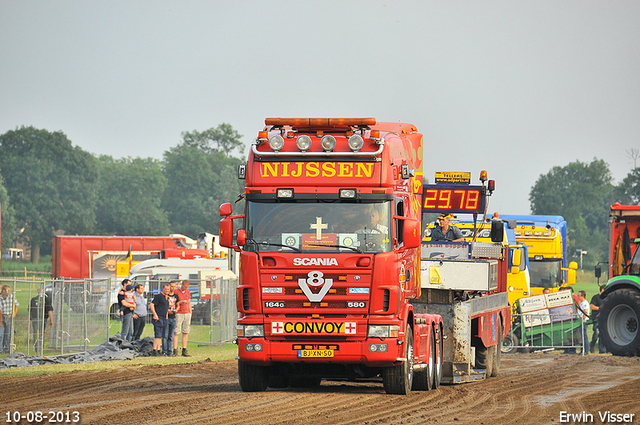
[{"x": 344, "y": 352}]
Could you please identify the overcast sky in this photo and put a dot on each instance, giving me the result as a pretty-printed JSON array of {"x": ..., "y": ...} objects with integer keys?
[{"x": 512, "y": 87}]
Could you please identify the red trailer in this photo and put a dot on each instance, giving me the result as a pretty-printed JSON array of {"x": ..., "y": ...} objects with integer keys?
[{"x": 96, "y": 257}]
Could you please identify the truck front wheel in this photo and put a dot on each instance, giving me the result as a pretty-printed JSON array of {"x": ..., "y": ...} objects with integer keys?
[
  {"x": 618, "y": 322},
  {"x": 399, "y": 379},
  {"x": 252, "y": 378}
]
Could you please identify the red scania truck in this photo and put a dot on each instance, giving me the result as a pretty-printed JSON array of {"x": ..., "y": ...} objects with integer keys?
[{"x": 331, "y": 276}]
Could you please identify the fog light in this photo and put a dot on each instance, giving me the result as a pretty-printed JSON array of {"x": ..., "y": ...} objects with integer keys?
[
  {"x": 378, "y": 348},
  {"x": 253, "y": 347}
]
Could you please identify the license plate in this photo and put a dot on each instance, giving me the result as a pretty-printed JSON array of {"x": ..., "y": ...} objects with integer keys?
[{"x": 315, "y": 353}]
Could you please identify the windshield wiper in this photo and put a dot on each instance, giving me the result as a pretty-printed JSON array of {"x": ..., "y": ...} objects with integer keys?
[
  {"x": 265, "y": 243},
  {"x": 340, "y": 246}
]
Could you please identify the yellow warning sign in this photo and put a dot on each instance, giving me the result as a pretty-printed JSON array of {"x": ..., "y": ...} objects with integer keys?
[{"x": 453, "y": 177}]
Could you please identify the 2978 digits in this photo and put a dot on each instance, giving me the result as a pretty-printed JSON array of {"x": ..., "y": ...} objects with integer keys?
[{"x": 39, "y": 417}]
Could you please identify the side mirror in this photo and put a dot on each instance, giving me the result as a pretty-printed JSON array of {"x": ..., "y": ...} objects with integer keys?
[
  {"x": 225, "y": 209},
  {"x": 411, "y": 234},
  {"x": 571, "y": 273},
  {"x": 516, "y": 260},
  {"x": 497, "y": 231},
  {"x": 598, "y": 271},
  {"x": 226, "y": 230}
]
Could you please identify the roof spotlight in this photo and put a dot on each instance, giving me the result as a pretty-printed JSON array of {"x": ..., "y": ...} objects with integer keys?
[
  {"x": 276, "y": 143},
  {"x": 328, "y": 143},
  {"x": 303, "y": 143},
  {"x": 356, "y": 142}
]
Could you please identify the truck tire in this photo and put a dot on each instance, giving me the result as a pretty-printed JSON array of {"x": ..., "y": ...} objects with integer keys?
[
  {"x": 509, "y": 343},
  {"x": 495, "y": 369},
  {"x": 252, "y": 378},
  {"x": 399, "y": 379},
  {"x": 423, "y": 378},
  {"x": 485, "y": 357},
  {"x": 618, "y": 322},
  {"x": 437, "y": 375}
]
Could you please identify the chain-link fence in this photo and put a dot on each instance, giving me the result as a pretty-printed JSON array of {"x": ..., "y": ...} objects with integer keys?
[
  {"x": 538, "y": 331},
  {"x": 60, "y": 316}
]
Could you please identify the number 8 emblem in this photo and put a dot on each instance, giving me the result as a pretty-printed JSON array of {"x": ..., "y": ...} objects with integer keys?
[{"x": 315, "y": 278}]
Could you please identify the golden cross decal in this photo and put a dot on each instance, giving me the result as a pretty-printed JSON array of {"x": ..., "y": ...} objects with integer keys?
[{"x": 318, "y": 226}]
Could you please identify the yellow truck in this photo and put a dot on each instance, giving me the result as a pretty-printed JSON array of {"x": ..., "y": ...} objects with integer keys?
[{"x": 545, "y": 237}]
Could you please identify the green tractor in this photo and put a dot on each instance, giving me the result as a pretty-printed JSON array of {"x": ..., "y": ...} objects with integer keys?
[{"x": 620, "y": 310}]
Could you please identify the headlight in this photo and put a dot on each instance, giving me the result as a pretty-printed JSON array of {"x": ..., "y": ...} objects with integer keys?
[
  {"x": 383, "y": 331},
  {"x": 276, "y": 142},
  {"x": 303, "y": 143},
  {"x": 250, "y": 331}
]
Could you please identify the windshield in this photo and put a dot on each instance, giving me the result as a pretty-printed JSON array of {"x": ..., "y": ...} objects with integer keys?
[
  {"x": 545, "y": 274},
  {"x": 318, "y": 226}
]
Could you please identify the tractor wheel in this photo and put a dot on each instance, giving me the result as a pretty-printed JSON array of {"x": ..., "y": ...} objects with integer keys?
[
  {"x": 399, "y": 379},
  {"x": 252, "y": 378},
  {"x": 509, "y": 343},
  {"x": 618, "y": 322}
]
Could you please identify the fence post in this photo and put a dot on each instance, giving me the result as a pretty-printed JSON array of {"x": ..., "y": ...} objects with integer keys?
[{"x": 213, "y": 282}]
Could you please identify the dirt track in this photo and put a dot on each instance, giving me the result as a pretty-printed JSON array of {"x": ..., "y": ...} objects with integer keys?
[{"x": 531, "y": 389}]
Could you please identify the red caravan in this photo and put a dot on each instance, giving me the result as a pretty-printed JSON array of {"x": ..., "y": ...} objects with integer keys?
[{"x": 330, "y": 257}]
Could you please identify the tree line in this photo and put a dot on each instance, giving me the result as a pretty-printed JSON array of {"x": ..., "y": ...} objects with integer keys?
[
  {"x": 582, "y": 193},
  {"x": 47, "y": 185}
]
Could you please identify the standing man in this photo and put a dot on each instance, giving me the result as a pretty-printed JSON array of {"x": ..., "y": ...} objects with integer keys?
[
  {"x": 446, "y": 232},
  {"x": 583, "y": 313},
  {"x": 159, "y": 308},
  {"x": 40, "y": 309},
  {"x": 121, "y": 292},
  {"x": 128, "y": 305},
  {"x": 167, "y": 340},
  {"x": 183, "y": 318},
  {"x": 596, "y": 302},
  {"x": 8, "y": 310},
  {"x": 140, "y": 312}
]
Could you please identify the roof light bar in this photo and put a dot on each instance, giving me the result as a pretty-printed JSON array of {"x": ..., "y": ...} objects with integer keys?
[{"x": 320, "y": 122}]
